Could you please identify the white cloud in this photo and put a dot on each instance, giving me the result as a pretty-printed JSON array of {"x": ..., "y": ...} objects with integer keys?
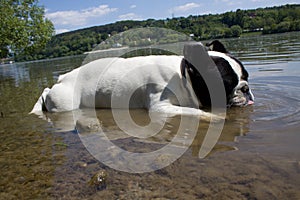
[
  {"x": 133, "y": 6},
  {"x": 185, "y": 7},
  {"x": 66, "y": 18},
  {"x": 129, "y": 16},
  {"x": 78, "y": 17}
]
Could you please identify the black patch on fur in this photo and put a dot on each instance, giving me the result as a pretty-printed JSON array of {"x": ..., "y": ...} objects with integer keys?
[
  {"x": 216, "y": 45},
  {"x": 44, "y": 108},
  {"x": 245, "y": 74},
  {"x": 198, "y": 83},
  {"x": 183, "y": 67},
  {"x": 230, "y": 79}
]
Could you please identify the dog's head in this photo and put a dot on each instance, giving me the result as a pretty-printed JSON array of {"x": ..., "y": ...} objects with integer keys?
[
  {"x": 234, "y": 74},
  {"x": 232, "y": 71}
]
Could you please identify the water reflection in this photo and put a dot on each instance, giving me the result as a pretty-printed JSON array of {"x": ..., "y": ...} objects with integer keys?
[
  {"x": 46, "y": 70},
  {"x": 18, "y": 73},
  {"x": 237, "y": 124}
]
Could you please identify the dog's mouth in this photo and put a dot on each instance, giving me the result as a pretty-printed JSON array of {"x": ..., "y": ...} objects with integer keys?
[
  {"x": 242, "y": 96},
  {"x": 241, "y": 100}
]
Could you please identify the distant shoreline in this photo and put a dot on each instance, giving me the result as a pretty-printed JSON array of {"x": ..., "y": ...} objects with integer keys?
[{"x": 232, "y": 24}]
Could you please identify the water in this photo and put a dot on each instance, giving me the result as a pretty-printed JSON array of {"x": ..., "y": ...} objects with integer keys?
[{"x": 257, "y": 154}]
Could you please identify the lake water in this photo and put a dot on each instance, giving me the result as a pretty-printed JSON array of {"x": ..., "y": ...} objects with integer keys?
[{"x": 257, "y": 155}]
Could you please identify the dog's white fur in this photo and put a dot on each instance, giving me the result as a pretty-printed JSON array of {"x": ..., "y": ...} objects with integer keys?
[{"x": 110, "y": 82}]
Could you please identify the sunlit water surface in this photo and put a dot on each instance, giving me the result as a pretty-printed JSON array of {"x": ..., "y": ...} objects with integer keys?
[{"x": 256, "y": 156}]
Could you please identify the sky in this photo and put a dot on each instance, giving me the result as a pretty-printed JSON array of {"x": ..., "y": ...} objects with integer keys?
[{"x": 68, "y": 15}]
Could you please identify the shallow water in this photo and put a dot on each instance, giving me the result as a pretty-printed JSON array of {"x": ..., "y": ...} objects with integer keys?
[{"x": 257, "y": 156}]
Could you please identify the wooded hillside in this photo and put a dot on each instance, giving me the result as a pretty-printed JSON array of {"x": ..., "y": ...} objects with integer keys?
[{"x": 202, "y": 27}]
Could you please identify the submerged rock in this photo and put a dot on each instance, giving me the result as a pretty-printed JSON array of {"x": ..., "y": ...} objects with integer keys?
[{"x": 99, "y": 180}]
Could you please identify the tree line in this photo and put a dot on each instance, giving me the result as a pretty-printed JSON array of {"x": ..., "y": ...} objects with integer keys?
[{"x": 202, "y": 27}]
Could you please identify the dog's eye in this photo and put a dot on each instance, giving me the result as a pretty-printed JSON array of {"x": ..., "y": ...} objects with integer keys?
[{"x": 245, "y": 89}]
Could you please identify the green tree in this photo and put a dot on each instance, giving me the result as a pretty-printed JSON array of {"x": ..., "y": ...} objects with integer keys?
[
  {"x": 295, "y": 26},
  {"x": 236, "y": 31},
  {"x": 23, "y": 27},
  {"x": 228, "y": 18},
  {"x": 228, "y": 32},
  {"x": 283, "y": 27},
  {"x": 239, "y": 16}
]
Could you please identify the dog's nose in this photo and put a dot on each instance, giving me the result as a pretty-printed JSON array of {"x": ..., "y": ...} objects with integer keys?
[{"x": 250, "y": 97}]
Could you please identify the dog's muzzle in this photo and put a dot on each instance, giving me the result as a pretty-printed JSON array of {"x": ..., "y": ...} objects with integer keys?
[{"x": 242, "y": 96}]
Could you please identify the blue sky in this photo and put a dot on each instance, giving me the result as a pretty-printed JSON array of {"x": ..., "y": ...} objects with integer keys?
[{"x": 68, "y": 15}]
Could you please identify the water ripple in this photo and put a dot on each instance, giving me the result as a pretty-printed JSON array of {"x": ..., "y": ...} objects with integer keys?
[{"x": 277, "y": 100}]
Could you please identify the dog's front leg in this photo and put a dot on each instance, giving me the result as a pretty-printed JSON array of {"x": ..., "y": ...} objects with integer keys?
[{"x": 173, "y": 110}]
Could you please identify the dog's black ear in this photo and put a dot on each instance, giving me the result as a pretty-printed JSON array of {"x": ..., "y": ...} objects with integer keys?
[
  {"x": 196, "y": 54},
  {"x": 216, "y": 45}
]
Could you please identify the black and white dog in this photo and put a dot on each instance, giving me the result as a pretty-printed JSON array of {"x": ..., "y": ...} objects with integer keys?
[{"x": 169, "y": 84}]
